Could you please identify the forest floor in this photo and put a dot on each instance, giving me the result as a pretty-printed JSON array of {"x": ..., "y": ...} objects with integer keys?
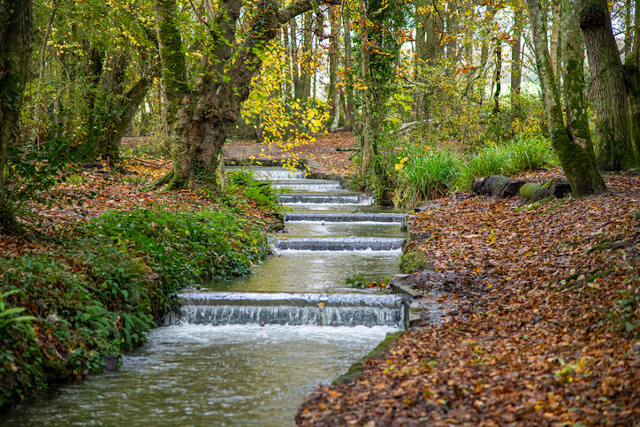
[
  {"x": 544, "y": 319},
  {"x": 545, "y": 324},
  {"x": 329, "y": 153}
]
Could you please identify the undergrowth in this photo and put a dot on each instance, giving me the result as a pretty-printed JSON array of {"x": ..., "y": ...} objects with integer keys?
[
  {"x": 423, "y": 172},
  {"x": 67, "y": 309}
]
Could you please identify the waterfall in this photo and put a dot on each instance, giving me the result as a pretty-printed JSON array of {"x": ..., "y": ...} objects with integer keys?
[{"x": 224, "y": 308}]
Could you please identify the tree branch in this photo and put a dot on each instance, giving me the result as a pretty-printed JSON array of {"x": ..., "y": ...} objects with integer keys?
[{"x": 299, "y": 7}]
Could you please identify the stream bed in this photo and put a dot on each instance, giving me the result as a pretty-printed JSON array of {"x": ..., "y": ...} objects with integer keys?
[{"x": 232, "y": 356}]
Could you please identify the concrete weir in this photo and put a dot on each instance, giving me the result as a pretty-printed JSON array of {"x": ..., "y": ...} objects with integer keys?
[
  {"x": 227, "y": 308},
  {"x": 340, "y": 244},
  {"x": 346, "y": 217}
]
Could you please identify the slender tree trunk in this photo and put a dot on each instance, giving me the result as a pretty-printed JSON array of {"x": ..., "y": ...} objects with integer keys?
[
  {"x": 628, "y": 37},
  {"x": 484, "y": 58},
  {"x": 287, "y": 61},
  {"x": 452, "y": 29},
  {"x": 295, "y": 61},
  {"x": 632, "y": 65},
  {"x": 16, "y": 43},
  {"x": 334, "y": 47},
  {"x": 307, "y": 56},
  {"x": 348, "y": 66},
  {"x": 367, "y": 131},
  {"x": 498, "y": 76},
  {"x": 614, "y": 149},
  {"x": 516, "y": 56},
  {"x": 554, "y": 43},
  {"x": 580, "y": 170}
]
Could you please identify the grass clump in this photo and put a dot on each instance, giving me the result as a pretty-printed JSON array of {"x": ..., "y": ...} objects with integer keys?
[
  {"x": 430, "y": 175},
  {"x": 411, "y": 262},
  {"x": 424, "y": 173}
]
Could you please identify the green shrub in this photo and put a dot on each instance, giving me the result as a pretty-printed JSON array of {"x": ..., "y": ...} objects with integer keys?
[
  {"x": 184, "y": 247},
  {"x": 243, "y": 187},
  {"x": 100, "y": 292}
]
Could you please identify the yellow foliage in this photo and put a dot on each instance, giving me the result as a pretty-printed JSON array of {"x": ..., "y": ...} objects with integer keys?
[{"x": 285, "y": 123}]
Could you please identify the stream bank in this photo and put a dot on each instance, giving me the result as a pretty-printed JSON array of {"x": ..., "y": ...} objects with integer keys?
[
  {"x": 233, "y": 341},
  {"x": 545, "y": 326},
  {"x": 95, "y": 288}
]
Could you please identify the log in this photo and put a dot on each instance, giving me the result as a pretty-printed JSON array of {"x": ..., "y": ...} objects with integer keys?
[
  {"x": 531, "y": 192},
  {"x": 497, "y": 185}
]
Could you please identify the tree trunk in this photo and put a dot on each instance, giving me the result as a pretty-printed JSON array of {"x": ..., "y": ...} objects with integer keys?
[
  {"x": 16, "y": 42},
  {"x": 516, "y": 57},
  {"x": 307, "y": 56},
  {"x": 554, "y": 43},
  {"x": 295, "y": 61},
  {"x": 199, "y": 117},
  {"x": 334, "y": 47},
  {"x": 580, "y": 170},
  {"x": 497, "y": 185},
  {"x": 632, "y": 65},
  {"x": 484, "y": 57},
  {"x": 573, "y": 78},
  {"x": 452, "y": 29},
  {"x": 367, "y": 131},
  {"x": 498, "y": 76},
  {"x": 133, "y": 98},
  {"x": 614, "y": 149},
  {"x": 348, "y": 66},
  {"x": 287, "y": 61}
]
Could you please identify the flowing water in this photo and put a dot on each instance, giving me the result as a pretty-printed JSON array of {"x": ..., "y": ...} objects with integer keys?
[{"x": 247, "y": 351}]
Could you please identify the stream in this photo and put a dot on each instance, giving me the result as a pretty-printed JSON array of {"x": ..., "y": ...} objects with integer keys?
[{"x": 247, "y": 351}]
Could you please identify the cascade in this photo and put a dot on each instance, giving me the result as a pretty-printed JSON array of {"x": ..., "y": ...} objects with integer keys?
[{"x": 246, "y": 351}]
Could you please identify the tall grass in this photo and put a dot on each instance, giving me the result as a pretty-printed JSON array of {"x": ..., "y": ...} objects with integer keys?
[
  {"x": 531, "y": 154},
  {"x": 427, "y": 175},
  {"x": 490, "y": 160}
]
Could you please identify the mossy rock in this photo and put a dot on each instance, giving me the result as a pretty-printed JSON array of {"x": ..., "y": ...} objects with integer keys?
[{"x": 411, "y": 262}]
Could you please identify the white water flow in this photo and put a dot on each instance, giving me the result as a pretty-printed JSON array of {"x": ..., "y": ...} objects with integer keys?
[{"x": 247, "y": 351}]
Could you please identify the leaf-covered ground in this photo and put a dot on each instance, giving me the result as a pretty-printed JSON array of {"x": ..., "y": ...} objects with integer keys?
[
  {"x": 92, "y": 189},
  {"x": 330, "y": 151},
  {"x": 545, "y": 328}
]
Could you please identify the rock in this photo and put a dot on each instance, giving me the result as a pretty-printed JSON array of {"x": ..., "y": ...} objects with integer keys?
[
  {"x": 111, "y": 363},
  {"x": 52, "y": 318}
]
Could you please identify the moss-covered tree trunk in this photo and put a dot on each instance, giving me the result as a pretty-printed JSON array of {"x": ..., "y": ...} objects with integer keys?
[
  {"x": 348, "y": 65},
  {"x": 121, "y": 120},
  {"x": 577, "y": 164},
  {"x": 614, "y": 150},
  {"x": 573, "y": 78},
  {"x": 367, "y": 125},
  {"x": 16, "y": 40},
  {"x": 632, "y": 65}
]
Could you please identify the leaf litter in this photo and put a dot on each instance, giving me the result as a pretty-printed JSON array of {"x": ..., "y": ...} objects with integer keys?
[{"x": 544, "y": 325}]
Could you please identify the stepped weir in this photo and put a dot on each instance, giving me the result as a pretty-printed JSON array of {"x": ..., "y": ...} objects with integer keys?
[{"x": 246, "y": 351}]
